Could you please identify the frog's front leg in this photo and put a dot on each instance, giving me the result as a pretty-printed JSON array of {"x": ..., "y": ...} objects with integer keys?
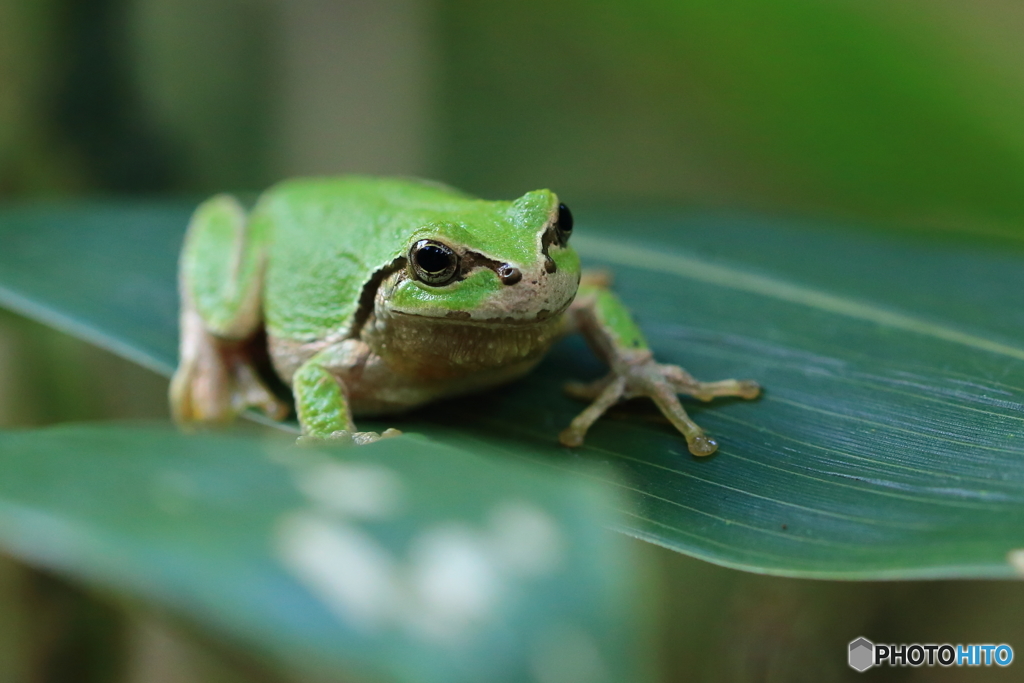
[
  {"x": 610, "y": 331},
  {"x": 321, "y": 400}
]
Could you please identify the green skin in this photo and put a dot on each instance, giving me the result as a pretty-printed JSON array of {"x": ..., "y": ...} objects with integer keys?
[{"x": 329, "y": 268}]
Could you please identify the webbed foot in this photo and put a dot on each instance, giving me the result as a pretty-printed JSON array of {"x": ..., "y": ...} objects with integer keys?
[{"x": 642, "y": 376}]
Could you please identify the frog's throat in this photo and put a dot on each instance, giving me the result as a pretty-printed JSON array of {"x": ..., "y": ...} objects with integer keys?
[
  {"x": 435, "y": 356},
  {"x": 424, "y": 347}
]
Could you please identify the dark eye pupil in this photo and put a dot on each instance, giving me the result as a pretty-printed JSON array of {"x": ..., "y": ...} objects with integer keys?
[
  {"x": 434, "y": 263},
  {"x": 564, "y": 218},
  {"x": 433, "y": 259}
]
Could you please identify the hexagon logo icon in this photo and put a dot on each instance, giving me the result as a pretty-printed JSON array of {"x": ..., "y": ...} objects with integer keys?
[{"x": 862, "y": 654}]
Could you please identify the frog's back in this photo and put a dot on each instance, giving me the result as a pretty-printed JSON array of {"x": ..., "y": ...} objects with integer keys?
[{"x": 329, "y": 236}]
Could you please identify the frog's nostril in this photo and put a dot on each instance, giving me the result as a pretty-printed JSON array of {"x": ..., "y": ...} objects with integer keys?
[
  {"x": 549, "y": 264},
  {"x": 509, "y": 274}
]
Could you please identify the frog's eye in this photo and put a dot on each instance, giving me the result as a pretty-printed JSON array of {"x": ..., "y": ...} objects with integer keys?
[
  {"x": 434, "y": 263},
  {"x": 564, "y": 224}
]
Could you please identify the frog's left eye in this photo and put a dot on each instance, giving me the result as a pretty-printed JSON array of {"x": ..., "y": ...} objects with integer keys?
[
  {"x": 434, "y": 263},
  {"x": 564, "y": 225}
]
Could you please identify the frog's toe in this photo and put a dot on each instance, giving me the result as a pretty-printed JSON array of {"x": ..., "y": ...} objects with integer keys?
[
  {"x": 748, "y": 389},
  {"x": 684, "y": 383},
  {"x": 361, "y": 438},
  {"x": 702, "y": 445},
  {"x": 586, "y": 391},
  {"x": 571, "y": 438},
  {"x": 344, "y": 437},
  {"x": 611, "y": 390}
]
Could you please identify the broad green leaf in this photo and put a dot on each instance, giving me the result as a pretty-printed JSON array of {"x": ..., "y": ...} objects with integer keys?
[
  {"x": 889, "y": 442},
  {"x": 401, "y": 561}
]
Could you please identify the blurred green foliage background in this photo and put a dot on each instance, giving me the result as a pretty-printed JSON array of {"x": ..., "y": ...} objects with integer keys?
[
  {"x": 905, "y": 113},
  {"x": 898, "y": 115}
]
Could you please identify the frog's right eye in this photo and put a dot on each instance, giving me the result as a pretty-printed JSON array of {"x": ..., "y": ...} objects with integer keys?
[
  {"x": 563, "y": 226},
  {"x": 434, "y": 263}
]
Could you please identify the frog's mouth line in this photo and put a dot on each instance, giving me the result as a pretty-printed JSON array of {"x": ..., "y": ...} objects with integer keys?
[{"x": 465, "y": 318}]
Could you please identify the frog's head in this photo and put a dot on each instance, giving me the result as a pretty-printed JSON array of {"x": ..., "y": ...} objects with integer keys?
[{"x": 493, "y": 262}]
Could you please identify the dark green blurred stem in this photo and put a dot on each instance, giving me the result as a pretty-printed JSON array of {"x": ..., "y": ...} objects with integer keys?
[
  {"x": 97, "y": 108},
  {"x": 14, "y": 622},
  {"x": 52, "y": 631},
  {"x": 72, "y": 637},
  {"x": 719, "y": 624}
]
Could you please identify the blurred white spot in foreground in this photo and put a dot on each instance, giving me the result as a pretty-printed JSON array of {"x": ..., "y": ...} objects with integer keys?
[
  {"x": 455, "y": 582},
  {"x": 457, "y": 578},
  {"x": 359, "y": 490},
  {"x": 1016, "y": 560},
  {"x": 525, "y": 539},
  {"x": 353, "y": 575},
  {"x": 567, "y": 655}
]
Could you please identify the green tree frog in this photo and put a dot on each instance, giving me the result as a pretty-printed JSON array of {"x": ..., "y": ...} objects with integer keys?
[{"x": 372, "y": 296}]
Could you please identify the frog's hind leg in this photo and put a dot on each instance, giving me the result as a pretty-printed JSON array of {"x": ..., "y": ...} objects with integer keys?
[
  {"x": 216, "y": 378},
  {"x": 221, "y": 280}
]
